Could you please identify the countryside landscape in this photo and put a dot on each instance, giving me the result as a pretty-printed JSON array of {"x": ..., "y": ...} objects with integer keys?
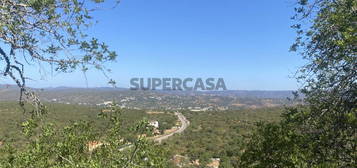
[
  {"x": 178, "y": 84},
  {"x": 214, "y": 121}
]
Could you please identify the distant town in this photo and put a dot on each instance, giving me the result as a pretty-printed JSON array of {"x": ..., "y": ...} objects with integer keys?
[{"x": 161, "y": 100}]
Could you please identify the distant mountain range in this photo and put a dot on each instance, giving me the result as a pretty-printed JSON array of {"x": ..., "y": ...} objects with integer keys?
[{"x": 155, "y": 99}]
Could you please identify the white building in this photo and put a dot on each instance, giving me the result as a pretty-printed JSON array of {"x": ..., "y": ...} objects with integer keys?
[
  {"x": 154, "y": 124},
  {"x": 106, "y": 103}
]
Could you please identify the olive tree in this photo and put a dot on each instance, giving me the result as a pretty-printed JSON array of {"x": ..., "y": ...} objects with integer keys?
[
  {"x": 322, "y": 131},
  {"x": 53, "y": 32},
  {"x": 329, "y": 44}
]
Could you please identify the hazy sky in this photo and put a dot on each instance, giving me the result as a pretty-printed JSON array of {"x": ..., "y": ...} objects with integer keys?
[{"x": 244, "y": 42}]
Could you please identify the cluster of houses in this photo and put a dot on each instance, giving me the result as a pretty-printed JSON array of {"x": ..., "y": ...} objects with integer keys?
[{"x": 200, "y": 108}]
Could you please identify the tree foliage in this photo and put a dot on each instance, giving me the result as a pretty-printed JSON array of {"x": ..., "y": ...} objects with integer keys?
[
  {"x": 51, "y": 147},
  {"x": 322, "y": 132},
  {"x": 53, "y": 32},
  {"x": 49, "y": 32}
]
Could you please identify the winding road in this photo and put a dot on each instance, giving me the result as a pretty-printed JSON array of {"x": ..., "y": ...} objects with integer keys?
[{"x": 184, "y": 124}]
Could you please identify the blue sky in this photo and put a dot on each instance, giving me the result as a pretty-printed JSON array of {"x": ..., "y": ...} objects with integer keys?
[{"x": 244, "y": 42}]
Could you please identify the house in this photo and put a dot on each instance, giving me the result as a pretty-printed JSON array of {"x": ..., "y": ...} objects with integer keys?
[
  {"x": 108, "y": 103},
  {"x": 155, "y": 124},
  {"x": 105, "y": 103}
]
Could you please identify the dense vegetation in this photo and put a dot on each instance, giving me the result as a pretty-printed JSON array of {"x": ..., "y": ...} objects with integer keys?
[
  {"x": 323, "y": 132},
  {"x": 61, "y": 115},
  {"x": 60, "y": 139},
  {"x": 319, "y": 133},
  {"x": 218, "y": 134},
  {"x": 214, "y": 134}
]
